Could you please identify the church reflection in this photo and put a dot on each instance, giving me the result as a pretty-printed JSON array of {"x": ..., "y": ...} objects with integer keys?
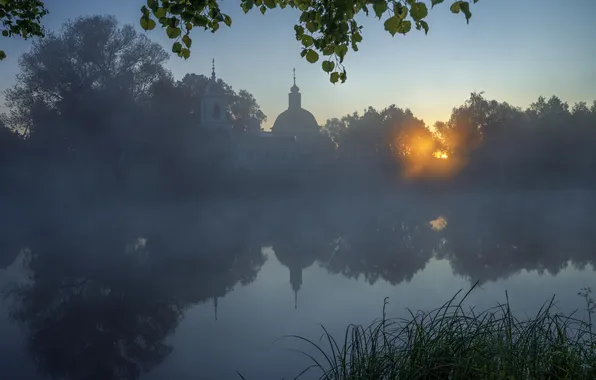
[{"x": 104, "y": 293}]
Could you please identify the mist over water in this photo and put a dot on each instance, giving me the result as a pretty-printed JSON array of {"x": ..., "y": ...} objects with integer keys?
[{"x": 203, "y": 289}]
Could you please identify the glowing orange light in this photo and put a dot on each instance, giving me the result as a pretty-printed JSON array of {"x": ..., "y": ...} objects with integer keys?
[{"x": 440, "y": 154}]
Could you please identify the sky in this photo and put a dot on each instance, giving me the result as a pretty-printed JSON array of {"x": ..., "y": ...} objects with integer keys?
[{"x": 513, "y": 50}]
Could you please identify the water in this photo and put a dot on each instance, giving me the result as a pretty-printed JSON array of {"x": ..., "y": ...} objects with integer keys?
[{"x": 200, "y": 291}]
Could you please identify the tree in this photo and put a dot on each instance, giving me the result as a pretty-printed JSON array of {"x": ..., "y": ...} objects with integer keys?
[
  {"x": 80, "y": 70},
  {"x": 21, "y": 18},
  {"x": 245, "y": 106},
  {"x": 326, "y": 27},
  {"x": 78, "y": 98}
]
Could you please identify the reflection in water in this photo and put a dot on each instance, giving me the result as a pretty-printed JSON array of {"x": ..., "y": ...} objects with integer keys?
[
  {"x": 438, "y": 224},
  {"x": 106, "y": 288}
]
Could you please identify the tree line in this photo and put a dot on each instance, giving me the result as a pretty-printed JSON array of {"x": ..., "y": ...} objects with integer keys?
[{"x": 95, "y": 113}]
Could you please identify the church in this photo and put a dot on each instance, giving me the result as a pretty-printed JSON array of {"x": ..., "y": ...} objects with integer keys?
[{"x": 294, "y": 139}]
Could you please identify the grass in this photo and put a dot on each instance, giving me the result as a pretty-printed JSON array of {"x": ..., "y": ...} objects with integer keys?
[{"x": 453, "y": 343}]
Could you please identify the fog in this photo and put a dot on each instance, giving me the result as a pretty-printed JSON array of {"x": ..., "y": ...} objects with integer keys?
[{"x": 129, "y": 215}]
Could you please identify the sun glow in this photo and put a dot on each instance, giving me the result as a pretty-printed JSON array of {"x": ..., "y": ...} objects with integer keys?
[{"x": 440, "y": 154}]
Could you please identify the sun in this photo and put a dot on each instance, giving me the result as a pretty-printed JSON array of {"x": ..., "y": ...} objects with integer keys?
[{"x": 440, "y": 154}]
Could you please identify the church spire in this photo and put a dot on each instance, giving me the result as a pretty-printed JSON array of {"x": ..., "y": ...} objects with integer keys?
[
  {"x": 215, "y": 306},
  {"x": 296, "y": 282},
  {"x": 294, "y": 98},
  {"x": 213, "y": 69}
]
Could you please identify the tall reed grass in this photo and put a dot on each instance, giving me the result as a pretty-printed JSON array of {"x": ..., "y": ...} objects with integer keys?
[{"x": 457, "y": 343}]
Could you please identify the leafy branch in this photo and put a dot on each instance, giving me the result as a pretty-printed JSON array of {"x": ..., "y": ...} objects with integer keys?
[
  {"x": 326, "y": 27},
  {"x": 21, "y": 18}
]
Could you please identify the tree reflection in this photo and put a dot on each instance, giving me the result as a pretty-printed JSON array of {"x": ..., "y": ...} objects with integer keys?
[
  {"x": 99, "y": 304},
  {"x": 105, "y": 289},
  {"x": 503, "y": 235},
  {"x": 383, "y": 243}
]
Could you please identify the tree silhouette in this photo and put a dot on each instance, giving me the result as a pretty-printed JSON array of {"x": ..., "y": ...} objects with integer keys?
[{"x": 99, "y": 303}]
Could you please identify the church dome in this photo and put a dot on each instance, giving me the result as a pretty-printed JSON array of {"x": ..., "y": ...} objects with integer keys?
[{"x": 295, "y": 121}]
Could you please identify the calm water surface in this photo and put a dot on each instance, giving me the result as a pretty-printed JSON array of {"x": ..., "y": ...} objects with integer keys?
[{"x": 203, "y": 291}]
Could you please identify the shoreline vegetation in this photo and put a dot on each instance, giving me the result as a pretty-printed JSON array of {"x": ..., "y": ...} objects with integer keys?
[{"x": 454, "y": 342}]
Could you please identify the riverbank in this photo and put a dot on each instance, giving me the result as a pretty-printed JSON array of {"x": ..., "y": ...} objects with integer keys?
[{"x": 454, "y": 342}]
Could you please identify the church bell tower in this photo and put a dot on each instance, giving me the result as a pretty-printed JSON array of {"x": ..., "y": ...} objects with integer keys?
[{"x": 214, "y": 104}]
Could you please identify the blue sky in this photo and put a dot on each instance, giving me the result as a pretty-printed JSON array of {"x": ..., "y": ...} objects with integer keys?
[{"x": 514, "y": 50}]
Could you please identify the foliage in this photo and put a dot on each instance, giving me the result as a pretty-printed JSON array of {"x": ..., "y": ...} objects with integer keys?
[
  {"x": 489, "y": 143},
  {"x": 326, "y": 27},
  {"x": 21, "y": 18},
  {"x": 453, "y": 343},
  {"x": 70, "y": 78},
  {"x": 71, "y": 73}
]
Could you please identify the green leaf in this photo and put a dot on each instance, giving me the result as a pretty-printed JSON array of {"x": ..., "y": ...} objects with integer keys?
[
  {"x": 176, "y": 9},
  {"x": 5, "y": 33},
  {"x": 328, "y": 50},
  {"x": 176, "y": 47},
  {"x": 334, "y": 77},
  {"x": 173, "y": 21},
  {"x": 152, "y": 4},
  {"x": 341, "y": 50},
  {"x": 307, "y": 40},
  {"x": 160, "y": 12},
  {"x": 173, "y": 32},
  {"x": 187, "y": 16},
  {"x": 185, "y": 53},
  {"x": 263, "y": 9},
  {"x": 380, "y": 7},
  {"x": 404, "y": 27},
  {"x": 247, "y": 5},
  {"x": 269, "y": 3},
  {"x": 357, "y": 37},
  {"x": 312, "y": 56},
  {"x": 465, "y": 8},
  {"x": 435, "y": 2},
  {"x": 400, "y": 11},
  {"x": 419, "y": 11},
  {"x": 200, "y": 20},
  {"x": 144, "y": 24},
  {"x": 187, "y": 41},
  {"x": 328, "y": 66},
  {"x": 424, "y": 26},
  {"x": 392, "y": 24},
  {"x": 299, "y": 29},
  {"x": 455, "y": 7},
  {"x": 2, "y": 55},
  {"x": 227, "y": 20}
]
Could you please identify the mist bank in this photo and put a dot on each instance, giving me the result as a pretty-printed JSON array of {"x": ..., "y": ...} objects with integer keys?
[{"x": 105, "y": 121}]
